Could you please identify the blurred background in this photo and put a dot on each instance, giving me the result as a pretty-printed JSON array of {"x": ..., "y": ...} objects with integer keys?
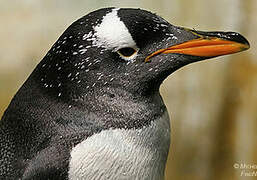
[{"x": 212, "y": 104}]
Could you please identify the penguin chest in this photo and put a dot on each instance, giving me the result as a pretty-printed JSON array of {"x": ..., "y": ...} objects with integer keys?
[{"x": 123, "y": 154}]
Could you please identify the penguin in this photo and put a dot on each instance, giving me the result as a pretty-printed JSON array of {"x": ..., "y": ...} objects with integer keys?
[{"x": 91, "y": 109}]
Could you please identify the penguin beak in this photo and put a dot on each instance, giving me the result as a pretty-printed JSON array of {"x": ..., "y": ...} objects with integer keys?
[{"x": 207, "y": 45}]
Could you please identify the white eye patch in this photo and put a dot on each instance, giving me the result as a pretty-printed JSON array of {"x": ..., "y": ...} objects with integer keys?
[{"x": 112, "y": 33}]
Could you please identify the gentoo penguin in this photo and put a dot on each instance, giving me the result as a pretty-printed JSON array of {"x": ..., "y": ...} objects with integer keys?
[{"x": 91, "y": 109}]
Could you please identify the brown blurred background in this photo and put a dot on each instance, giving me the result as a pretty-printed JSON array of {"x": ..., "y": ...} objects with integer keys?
[{"x": 212, "y": 104}]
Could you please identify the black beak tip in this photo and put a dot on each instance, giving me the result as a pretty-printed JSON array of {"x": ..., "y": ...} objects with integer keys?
[{"x": 233, "y": 36}]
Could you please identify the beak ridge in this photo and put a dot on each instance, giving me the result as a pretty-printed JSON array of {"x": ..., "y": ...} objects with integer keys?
[{"x": 208, "y": 44}]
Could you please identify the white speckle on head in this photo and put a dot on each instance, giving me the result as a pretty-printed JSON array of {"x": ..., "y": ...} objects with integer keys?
[
  {"x": 88, "y": 35},
  {"x": 69, "y": 75},
  {"x": 112, "y": 33},
  {"x": 82, "y": 51},
  {"x": 164, "y": 25},
  {"x": 174, "y": 37}
]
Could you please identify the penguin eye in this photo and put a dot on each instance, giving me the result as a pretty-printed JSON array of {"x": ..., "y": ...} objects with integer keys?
[{"x": 127, "y": 52}]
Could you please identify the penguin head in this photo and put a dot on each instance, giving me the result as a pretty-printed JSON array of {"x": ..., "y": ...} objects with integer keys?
[{"x": 130, "y": 49}]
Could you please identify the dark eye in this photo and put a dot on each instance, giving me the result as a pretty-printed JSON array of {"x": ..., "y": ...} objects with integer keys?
[{"x": 127, "y": 52}]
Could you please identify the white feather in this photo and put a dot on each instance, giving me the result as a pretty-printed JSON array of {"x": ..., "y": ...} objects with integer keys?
[
  {"x": 116, "y": 154},
  {"x": 112, "y": 33}
]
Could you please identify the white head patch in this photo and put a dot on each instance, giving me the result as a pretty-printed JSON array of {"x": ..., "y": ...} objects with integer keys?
[{"x": 112, "y": 33}]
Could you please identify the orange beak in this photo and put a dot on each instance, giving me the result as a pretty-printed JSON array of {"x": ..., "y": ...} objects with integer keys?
[{"x": 209, "y": 44}]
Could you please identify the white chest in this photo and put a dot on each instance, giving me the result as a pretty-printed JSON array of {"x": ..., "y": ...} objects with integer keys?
[{"x": 123, "y": 154}]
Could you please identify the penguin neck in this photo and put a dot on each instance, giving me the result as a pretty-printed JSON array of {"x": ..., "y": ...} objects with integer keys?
[
  {"x": 119, "y": 108},
  {"x": 98, "y": 108}
]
